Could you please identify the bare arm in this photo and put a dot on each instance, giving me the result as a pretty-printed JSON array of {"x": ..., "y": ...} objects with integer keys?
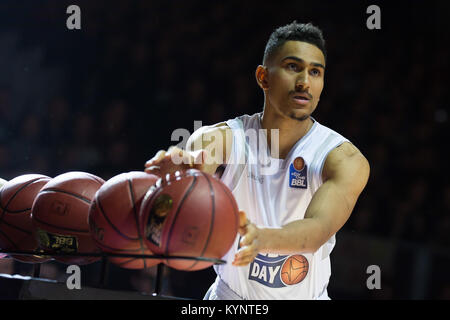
[
  {"x": 207, "y": 148},
  {"x": 345, "y": 175}
]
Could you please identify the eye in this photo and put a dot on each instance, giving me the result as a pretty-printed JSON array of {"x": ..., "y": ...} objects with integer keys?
[
  {"x": 292, "y": 66},
  {"x": 315, "y": 72}
]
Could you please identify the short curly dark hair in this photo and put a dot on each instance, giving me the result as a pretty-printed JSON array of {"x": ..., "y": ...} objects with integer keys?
[{"x": 297, "y": 32}]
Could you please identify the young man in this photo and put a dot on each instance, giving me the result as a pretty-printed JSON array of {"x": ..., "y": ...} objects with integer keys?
[{"x": 300, "y": 190}]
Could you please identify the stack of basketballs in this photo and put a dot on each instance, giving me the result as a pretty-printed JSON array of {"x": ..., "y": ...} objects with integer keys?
[{"x": 184, "y": 214}]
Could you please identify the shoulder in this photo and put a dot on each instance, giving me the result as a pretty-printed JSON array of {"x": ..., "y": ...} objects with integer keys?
[
  {"x": 221, "y": 126},
  {"x": 344, "y": 151},
  {"x": 226, "y": 128},
  {"x": 208, "y": 134},
  {"x": 244, "y": 121},
  {"x": 346, "y": 163},
  {"x": 324, "y": 131}
]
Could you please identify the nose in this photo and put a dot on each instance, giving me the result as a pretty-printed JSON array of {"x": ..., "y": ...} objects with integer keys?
[{"x": 302, "y": 81}]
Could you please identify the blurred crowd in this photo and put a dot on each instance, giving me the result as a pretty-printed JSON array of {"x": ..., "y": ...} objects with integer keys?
[{"x": 105, "y": 98}]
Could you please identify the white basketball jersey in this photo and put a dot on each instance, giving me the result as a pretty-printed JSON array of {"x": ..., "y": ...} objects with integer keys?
[{"x": 274, "y": 192}]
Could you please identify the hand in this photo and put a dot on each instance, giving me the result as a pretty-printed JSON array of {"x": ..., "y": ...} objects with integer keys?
[
  {"x": 250, "y": 241},
  {"x": 174, "y": 159}
]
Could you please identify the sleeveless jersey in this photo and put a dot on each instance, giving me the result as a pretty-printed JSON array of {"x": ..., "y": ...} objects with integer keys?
[{"x": 274, "y": 192}]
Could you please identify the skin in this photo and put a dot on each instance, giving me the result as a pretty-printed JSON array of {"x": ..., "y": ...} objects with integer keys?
[
  {"x": 296, "y": 67},
  {"x": 293, "y": 69}
]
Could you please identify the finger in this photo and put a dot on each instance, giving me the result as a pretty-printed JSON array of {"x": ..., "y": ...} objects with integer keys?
[
  {"x": 154, "y": 170},
  {"x": 247, "y": 240},
  {"x": 242, "y": 263},
  {"x": 172, "y": 149},
  {"x": 175, "y": 151},
  {"x": 249, "y": 235},
  {"x": 242, "y": 218},
  {"x": 248, "y": 250},
  {"x": 158, "y": 157},
  {"x": 245, "y": 256},
  {"x": 244, "y": 253},
  {"x": 178, "y": 156},
  {"x": 243, "y": 223}
]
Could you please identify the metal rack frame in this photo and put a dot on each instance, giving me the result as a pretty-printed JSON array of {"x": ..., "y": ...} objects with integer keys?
[{"x": 104, "y": 263}]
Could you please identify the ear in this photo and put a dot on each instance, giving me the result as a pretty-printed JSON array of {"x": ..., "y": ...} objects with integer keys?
[{"x": 261, "y": 77}]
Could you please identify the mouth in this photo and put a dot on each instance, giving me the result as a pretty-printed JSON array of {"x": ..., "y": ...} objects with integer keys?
[
  {"x": 301, "y": 98},
  {"x": 304, "y": 95}
]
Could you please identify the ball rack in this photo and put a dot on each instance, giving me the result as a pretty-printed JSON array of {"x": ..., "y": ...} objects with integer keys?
[{"x": 104, "y": 264}]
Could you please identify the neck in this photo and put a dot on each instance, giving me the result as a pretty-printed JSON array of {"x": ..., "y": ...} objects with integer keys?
[{"x": 289, "y": 130}]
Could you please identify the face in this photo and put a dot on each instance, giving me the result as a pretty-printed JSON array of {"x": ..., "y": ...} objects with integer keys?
[{"x": 293, "y": 79}]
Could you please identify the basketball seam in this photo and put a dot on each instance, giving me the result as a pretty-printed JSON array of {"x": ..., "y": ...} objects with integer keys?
[
  {"x": 136, "y": 218},
  {"x": 8, "y": 239},
  {"x": 116, "y": 250},
  {"x": 14, "y": 195},
  {"x": 121, "y": 264},
  {"x": 233, "y": 201},
  {"x": 66, "y": 192},
  {"x": 102, "y": 211},
  {"x": 5, "y": 209},
  {"x": 213, "y": 216},
  {"x": 301, "y": 273},
  {"x": 98, "y": 179},
  {"x": 17, "y": 228},
  {"x": 188, "y": 192},
  {"x": 16, "y": 212}
]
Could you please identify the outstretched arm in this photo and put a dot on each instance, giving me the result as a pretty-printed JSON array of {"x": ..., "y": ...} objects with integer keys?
[
  {"x": 345, "y": 175},
  {"x": 207, "y": 148}
]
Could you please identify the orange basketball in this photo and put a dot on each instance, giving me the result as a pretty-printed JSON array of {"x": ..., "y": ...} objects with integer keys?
[
  {"x": 16, "y": 228},
  {"x": 60, "y": 214},
  {"x": 189, "y": 214},
  {"x": 294, "y": 269},
  {"x": 114, "y": 218},
  {"x": 299, "y": 163}
]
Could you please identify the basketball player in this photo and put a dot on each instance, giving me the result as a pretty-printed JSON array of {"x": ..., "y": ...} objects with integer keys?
[{"x": 290, "y": 214}]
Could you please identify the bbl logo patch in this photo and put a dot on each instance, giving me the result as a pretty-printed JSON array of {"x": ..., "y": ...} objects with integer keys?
[{"x": 298, "y": 174}]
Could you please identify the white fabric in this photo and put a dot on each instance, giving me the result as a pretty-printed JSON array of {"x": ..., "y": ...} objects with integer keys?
[{"x": 265, "y": 193}]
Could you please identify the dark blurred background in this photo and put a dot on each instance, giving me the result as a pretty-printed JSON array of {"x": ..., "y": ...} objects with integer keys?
[{"x": 106, "y": 98}]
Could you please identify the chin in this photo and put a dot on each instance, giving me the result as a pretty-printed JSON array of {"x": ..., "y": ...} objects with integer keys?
[{"x": 299, "y": 116}]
